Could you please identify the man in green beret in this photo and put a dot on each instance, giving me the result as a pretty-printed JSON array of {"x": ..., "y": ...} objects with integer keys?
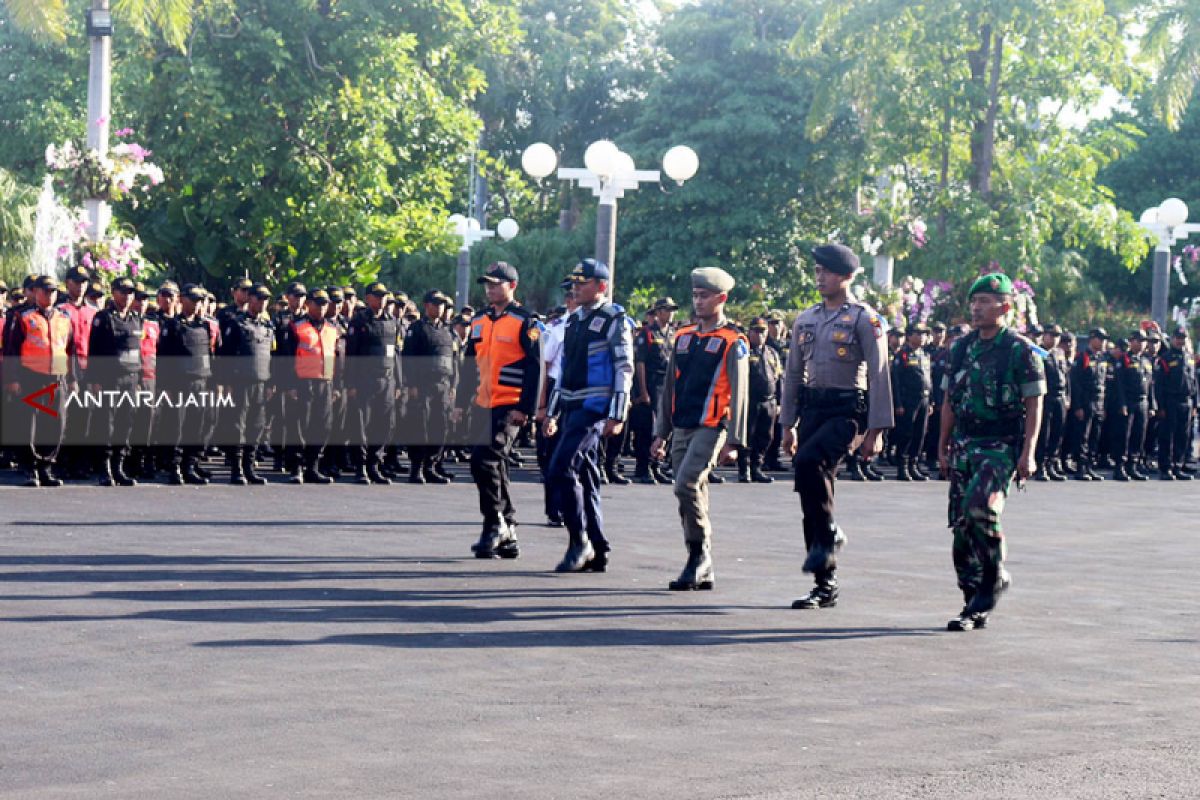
[{"x": 989, "y": 431}]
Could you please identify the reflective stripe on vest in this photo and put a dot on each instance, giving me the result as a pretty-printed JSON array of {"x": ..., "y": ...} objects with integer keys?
[
  {"x": 316, "y": 351},
  {"x": 44, "y": 350},
  {"x": 499, "y": 356}
]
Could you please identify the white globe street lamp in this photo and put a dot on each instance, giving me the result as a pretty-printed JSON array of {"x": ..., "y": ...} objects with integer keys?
[
  {"x": 539, "y": 160},
  {"x": 609, "y": 173},
  {"x": 681, "y": 163},
  {"x": 470, "y": 232},
  {"x": 1168, "y": 223}
]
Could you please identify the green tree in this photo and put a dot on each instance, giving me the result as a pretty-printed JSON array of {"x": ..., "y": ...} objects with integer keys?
[
  {"x": 764, "y": 192},
  {"x": 173, "y": 19},
  {"x": 994, "y": 167},
  {"x": 1171, "y": 46},
  {"x": 18, "y": 203}
]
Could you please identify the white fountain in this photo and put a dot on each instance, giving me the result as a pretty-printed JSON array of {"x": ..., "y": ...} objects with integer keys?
[{"x": 53, "y": 229}]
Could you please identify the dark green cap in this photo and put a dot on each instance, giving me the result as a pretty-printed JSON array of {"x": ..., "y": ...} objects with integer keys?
[
  {"x": 992, "y": 283},
  {"x": 123, "y": 285},
  {"x": 320, "y": 297},
  {"x": 243, "y": 283}
]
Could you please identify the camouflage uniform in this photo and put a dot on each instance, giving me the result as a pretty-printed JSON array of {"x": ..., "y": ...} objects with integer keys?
[{"x": 986, "y": 386}]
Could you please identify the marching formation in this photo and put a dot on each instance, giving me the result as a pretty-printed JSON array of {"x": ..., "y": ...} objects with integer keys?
[{"x": 136, "y": 382}]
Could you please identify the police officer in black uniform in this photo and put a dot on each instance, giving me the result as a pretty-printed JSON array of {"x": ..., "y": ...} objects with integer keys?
[
  {"x": 372, "y": 372},
  {"x": 912, "y": 382},
  {"x": 765, "y": 374},
  {"x": 185, "y": 348},
  {"x": 244, "y": 365},
  {"x": 284, "y": 425},
  {"x": 429, "y": 375},
  {"x": 115, "y": 364},
  {"x": 1088, "y": 376},
  {"x": 1054, "y": 407},
  {"x": 651, "y": 355},
  {"x": 1174, "y": 390},
  {"x": 1133, "y": 386}
]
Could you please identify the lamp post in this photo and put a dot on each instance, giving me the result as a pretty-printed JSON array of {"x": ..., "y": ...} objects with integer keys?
[
  {"x": 609, "y": 173},
  {"x": 1168, "y": 222},
  {"x": 470, "y": 232},
  {"x": 100, "y": 31}
]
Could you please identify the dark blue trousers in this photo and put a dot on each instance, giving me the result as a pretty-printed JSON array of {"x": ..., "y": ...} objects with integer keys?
[{"x": 574, "y": 475}]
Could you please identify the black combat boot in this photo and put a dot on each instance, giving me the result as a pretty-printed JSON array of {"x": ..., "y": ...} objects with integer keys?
[
  {"x": 579, "y": 553},
  {"x": 119, "y": 474},
  {"x": 376, "y": 475},
  {"x": 1119, "y": 473},
  {"x": 758, "y": 476},
  {"x": 1182, "y": 475},
  {"x": 33, "y": 479},
  {"x": 599, "y": 561},
  {"x": 713, "y": 477},
  {"x": 237, "y": 471},
  {"x": 191, "y": 474},
  {"x": 616, "y": 478},
  {"x": 1135, "y": 471},
  {"x": 1081, "y": 472},
  {"x": 174, "y": 475},
  {"x": 431, "y": 476},
  {"x": 854, "y": 469},
  {"x": 314, "y": 475},
  {"x": 902, "y": 473},
  {"x": 106, "y": 474},
  {"x": 414, "y": 473},
  {"x": 871, "y": 472},
  {"x": 249, "y": 469},
  {"x": 697, "y": 573},
  {"x": 823, "y": 595},
  {"x": 439, "y": 469},
  {"x": 966, "y": 620},
  {"x": 47, "y": 477},
  {"x": 914, "y": 471},
  {"x": 360, "y": 475}
]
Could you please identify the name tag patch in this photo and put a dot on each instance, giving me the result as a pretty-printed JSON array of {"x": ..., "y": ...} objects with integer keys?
[
  {"x": 681, "y": 346},
  {"x": 713, "y": 345},
  {"x": 596, "y": 325}
]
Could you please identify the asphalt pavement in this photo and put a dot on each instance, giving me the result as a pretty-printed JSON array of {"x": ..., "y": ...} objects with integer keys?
[{"x": 341, "y": 642}]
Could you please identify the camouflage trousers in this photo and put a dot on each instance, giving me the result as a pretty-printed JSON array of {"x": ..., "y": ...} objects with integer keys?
[{"x": 981, "y": 472}]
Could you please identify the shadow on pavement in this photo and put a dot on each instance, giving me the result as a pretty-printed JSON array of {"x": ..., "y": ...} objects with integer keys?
[{"x": 604, "y": 637}]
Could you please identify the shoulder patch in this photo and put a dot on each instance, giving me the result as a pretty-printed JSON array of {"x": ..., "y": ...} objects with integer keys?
[
  {"x": 742, "y": 349},
  {"x": 535, "y": 333}
]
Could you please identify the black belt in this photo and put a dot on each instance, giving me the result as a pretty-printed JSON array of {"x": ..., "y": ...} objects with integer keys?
[{"x": 998, "y": 429}]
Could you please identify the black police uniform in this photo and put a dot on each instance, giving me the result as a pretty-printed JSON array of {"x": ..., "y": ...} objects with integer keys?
[
  {"x": 912, "y": 382},
  {"x": 115, "y": 364},
  {"x": 244, "y": 365},
  {"x": 1133, "y": 391},
  {"x": 765, "y": 373},
  {"x": 651, "y": 347},
  {"x": 429, "y": 366},
  {"x": 1054, "y": 414},
  {"x": 1174, "y": 389},
  {"x": 1088, "y": 380},
  {"x": 372, "y": 373},
  {"x": 185, "y": 347}
]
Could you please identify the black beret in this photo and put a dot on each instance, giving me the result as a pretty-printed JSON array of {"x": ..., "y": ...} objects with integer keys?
[{"x": 836, "y": 258}]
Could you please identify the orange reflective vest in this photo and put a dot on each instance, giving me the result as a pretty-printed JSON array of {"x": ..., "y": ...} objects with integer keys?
[
  {"x": 150, "y": 331},
  {"x": 44, "y": 349},
  {"x": 500, "y": 357},
  {"x": 316, "y": 350},
  {"x": 703, "y": 390}
]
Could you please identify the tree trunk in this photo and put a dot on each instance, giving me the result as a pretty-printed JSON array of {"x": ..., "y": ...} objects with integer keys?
[{"x": 987, "y": 84}]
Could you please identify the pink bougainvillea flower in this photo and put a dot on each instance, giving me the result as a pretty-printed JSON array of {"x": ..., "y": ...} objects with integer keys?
[{"x": 121, "y": 134}]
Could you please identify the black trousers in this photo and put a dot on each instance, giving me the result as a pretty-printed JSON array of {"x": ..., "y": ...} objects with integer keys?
[
  {"x": 36, "y": 437},
  {"x": 185, "y": 424},
  {"x": 910, "y": 429},
  {"x": 118, "y": 421},
  {"x": 641, "y": 430},
  {"x": 489, "y": 468},
  {"x": 1054, "y": 420},
  {"x": 430, "y": 410},
  {"x": 314, "y": 412},
  {"x": 760, "y": 428},
  {"x": 374, "y": 415},
  {"x": 824, "y": 439},
  {"x": 248, "y": 417},
  {"x": 1084, "y": 435},
  {"x": 1173, "y": 434},
  {"x": 1129, "y": 432}
]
